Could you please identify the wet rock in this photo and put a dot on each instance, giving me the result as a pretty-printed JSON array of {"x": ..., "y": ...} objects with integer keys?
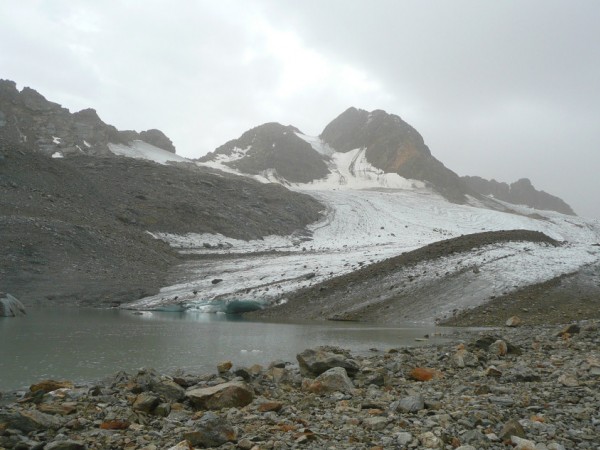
[
  {"x": 225, "y": 395},
  {"x": 333, "y": 380},
  {"x": 211, "y": 431},
  {"x": 316, "y": 361}
]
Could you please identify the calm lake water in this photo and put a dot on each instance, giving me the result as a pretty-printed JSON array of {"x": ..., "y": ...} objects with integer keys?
[{"x": 88, "y": 344}]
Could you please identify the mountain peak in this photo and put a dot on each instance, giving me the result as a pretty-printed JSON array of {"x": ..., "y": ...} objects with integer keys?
[
  {"x": 272, "y": 148},
  {"x": 392, "y": 145},
  {"x": 521, "y": 192},
  {"x": 27, "y": 118}
]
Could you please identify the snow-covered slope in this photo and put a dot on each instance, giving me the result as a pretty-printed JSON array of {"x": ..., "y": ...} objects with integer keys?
[
  {"x": 366, "y": 222},
  {"x": 347, "y": 170},
  {"x": 142, "y": 150}
]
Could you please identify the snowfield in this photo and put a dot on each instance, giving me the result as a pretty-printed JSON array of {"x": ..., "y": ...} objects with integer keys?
[
  {"x": 142, "y": 150},
  {"x": 371, "y": 216}
]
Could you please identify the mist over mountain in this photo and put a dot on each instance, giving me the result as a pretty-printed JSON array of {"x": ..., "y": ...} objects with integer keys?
[
  {"x": 28, "y": 119},
  {"x": 87, "y": 208},
  {"x": 520, "y": 192},
  {"x": 388, "y": 144},
  {"x": 393, "y": 146}
]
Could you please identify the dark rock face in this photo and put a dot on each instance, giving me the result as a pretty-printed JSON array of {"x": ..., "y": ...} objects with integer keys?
[
  {"x": 27, "y": 118},
  {"x": 393, "y": 146},
  {"x": 158, "y": 139},
  {"x": 74, "y": 230},
  {"x": 275, "y": 146},
  {"x": 520, "y": 192}
]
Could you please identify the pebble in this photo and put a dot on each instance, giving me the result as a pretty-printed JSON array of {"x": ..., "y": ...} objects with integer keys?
[{"x": 545, "y": 396}]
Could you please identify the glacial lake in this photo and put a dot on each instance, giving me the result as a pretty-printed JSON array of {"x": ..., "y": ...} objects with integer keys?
[{"x": 89, "y": 344}]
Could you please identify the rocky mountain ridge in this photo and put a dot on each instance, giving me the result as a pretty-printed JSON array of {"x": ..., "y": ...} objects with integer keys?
[
  {"x": 28, "y": 119},
  {"x": 390, "y": 145},
  {"x": 75, "y": 229},
  {"x": 275, "y": 147},
  {"x": 520, "y": 192}
]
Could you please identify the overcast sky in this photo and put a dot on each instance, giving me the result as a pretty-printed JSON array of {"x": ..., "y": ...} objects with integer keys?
[{"x": 500, "y": 89}]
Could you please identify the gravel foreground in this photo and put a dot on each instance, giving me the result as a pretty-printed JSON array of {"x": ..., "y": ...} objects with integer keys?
[{"x": 528, "y": 387}]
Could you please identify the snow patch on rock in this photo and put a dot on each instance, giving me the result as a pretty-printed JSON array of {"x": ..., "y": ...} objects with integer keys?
[{"x": 142, "y": 150}]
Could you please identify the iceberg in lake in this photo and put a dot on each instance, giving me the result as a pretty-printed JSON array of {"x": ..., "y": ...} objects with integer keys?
[{"x": 10, "y": 306}]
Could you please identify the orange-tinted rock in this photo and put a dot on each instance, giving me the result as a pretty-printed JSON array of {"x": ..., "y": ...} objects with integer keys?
[
  {"x": 50, "y": 385},
  {"x": 226, "y": 395},
  {"x": 115, "y": 425},
  {"x": 61, "y": 410},
  {"x": 425, "y": 374},
  {"x": 270, "y": 406},
  {"x": 224, "y": 366},
  {"x": 514, "y": 321},
  {"x": 499, "y": 348}
]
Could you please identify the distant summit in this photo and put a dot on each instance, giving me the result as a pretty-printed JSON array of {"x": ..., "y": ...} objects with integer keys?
[
  {"x": 393, "y": 146},
  {"x": 358, "y": 150},
  {"x": 520, "y": 192},
  {"x": 380, "y": 140},
  {"x": 273, "y": 148},
  {"x": 28, "y": 119}
]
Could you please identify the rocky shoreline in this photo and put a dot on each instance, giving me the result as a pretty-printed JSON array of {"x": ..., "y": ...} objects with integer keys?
[{"x": 529, "y": 387}]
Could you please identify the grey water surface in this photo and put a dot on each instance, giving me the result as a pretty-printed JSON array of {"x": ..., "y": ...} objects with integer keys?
[{"x": 89, "y": 344}]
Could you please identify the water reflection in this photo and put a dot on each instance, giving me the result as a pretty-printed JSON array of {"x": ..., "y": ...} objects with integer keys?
[{"x": 87, "y": 344}]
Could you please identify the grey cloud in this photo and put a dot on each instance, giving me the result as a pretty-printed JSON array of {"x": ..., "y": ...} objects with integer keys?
[{"x": 499, "y": 89}]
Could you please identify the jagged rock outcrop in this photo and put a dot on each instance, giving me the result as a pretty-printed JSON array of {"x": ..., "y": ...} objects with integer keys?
[
  {"x": 28, "y": 119},
  {"x": 273, "y": 146},
  {"x": 520, "y": 192},
  {"x": 392, "y": 145},
  {"x": 158, "y": 139}
]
